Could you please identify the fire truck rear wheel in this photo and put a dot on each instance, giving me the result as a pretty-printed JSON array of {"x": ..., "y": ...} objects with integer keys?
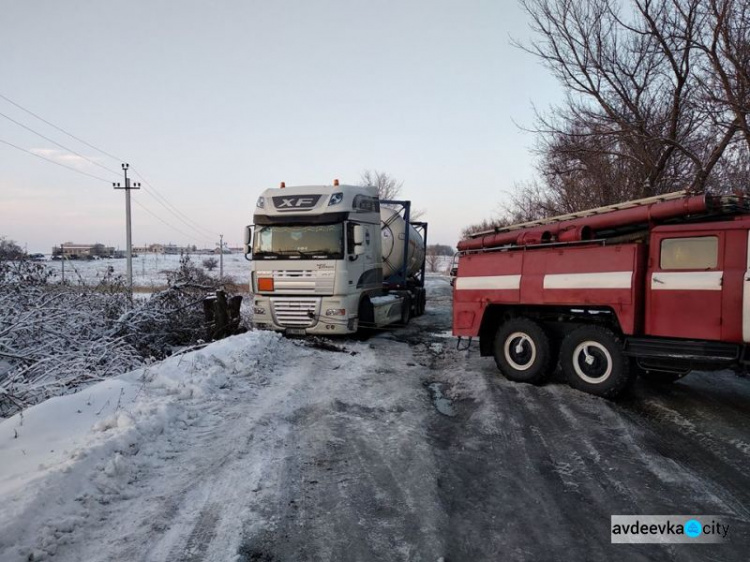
[
  {"x": 593, "y": 361},
  {"x": 522, "y": 351}
]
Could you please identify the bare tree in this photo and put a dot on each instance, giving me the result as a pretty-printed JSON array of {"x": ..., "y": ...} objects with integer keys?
[
  {"x": 210, "y": 263},
  {"x": 725, "y": 42},
  {"x": 388, "y": 186},
  {"x": 655, "y": 99},
  {"x": 432, "y": 259}
]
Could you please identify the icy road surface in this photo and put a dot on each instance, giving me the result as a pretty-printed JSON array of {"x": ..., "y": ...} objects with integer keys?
[{"x": 259, "y": 448}]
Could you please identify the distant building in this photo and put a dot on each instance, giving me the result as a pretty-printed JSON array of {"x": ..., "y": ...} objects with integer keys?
[
  {"x": 150, "y": 249},
  {"x": 171, "y": 249},
  {"x": 71, "y": 249}
]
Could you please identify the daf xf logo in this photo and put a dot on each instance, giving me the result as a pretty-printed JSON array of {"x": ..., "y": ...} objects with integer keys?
[{"x": 295, "y": 202}]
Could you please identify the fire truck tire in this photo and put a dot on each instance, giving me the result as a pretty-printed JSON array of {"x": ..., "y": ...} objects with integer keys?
[
  {"x": 593, "y": 361},
  {"x": 522, "y": 351}
]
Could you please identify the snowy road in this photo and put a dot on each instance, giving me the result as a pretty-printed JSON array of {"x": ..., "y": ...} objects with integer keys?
[{"x": 286, "y": 452}]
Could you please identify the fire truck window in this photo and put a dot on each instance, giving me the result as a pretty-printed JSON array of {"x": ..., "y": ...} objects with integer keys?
[{"x": 690, "y": 253}]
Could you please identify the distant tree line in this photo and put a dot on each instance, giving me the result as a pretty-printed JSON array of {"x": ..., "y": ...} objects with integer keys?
[
  {"x": 657, "y": 100},
  {"x": 440, "y": 250}
]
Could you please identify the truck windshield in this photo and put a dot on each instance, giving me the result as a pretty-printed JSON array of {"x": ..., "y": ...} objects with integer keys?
[{"x": 319, "y": 241}]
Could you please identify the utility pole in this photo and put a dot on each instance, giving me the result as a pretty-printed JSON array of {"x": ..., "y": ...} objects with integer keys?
[
  {"x": 221, "y": 256},
  {"x": 128, "y": 232}
]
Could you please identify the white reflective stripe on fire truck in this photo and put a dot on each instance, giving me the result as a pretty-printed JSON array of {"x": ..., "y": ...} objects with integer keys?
[
  {"x": 687, "y": 281},
  {"x": 489, "y": 282},
  {"x": 746, "y": 298},
  {"x": 609, "y": 280}
]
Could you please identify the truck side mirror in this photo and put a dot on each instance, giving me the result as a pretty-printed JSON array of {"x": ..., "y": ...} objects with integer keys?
[
  {"x": 359, "y": 236},
  {"x": 248, "y": 242}
]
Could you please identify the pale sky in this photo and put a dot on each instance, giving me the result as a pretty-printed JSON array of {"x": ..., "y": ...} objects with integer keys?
[{"x": 213, "y": 102}]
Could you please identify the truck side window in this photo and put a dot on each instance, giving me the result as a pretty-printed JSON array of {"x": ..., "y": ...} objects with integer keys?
[
  {"x": 350, "y": 238},
  {"x": 690, "y": 253}
]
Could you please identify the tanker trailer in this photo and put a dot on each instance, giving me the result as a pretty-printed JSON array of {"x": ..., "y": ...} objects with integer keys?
[{"x": 403, "y": 248}]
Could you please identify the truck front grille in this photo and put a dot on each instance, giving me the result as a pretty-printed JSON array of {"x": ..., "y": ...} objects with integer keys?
[
  {"x": 302, "y": 281},
  {"x": 294, "y": 312}
]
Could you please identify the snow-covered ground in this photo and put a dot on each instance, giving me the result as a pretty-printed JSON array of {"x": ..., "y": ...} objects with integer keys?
[
  {"x": 401, "y": 447},
  {"x": 148, "y": 269}
]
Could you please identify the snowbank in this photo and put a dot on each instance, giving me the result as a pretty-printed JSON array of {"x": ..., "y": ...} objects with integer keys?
[{"x": 84, "y": 446}]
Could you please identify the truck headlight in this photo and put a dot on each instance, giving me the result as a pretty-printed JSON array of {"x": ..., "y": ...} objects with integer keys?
[
  {"x": 261, "y": 203},
  {"x": 336, "y": 312},
  {"x": 336, "y": 198}
]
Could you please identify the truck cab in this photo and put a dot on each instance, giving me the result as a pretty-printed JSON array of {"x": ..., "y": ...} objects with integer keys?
[
  {"x": 315, "y": 255},
  {"x": 317, "y": 261}
]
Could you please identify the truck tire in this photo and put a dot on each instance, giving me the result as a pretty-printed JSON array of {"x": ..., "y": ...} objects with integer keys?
[
  {"x": 522, "y": 351},
  {"x": 593, "y": 361},
  {"x": 406, "y": 310},
  {"x": 421, "y": 301},
  {"x": 366, "y": 321}
]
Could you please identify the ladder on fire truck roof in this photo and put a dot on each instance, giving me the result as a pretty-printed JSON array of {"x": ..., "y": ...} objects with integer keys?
[{"x": 726, "y": 203}]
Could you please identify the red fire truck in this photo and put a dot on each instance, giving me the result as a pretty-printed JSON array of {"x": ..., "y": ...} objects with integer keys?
[{"x": 655, "y": 287}]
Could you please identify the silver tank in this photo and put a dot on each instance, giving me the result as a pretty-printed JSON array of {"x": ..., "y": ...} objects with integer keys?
[{"x": 393, "y": 231}]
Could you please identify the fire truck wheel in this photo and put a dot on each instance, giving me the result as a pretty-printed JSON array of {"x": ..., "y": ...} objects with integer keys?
[
  {"x": 522, "y": 351},
  {"x": 593, "y": 361}
]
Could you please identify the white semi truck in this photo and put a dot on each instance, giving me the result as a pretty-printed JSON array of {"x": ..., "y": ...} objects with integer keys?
[{"x": 331, "y": 260}]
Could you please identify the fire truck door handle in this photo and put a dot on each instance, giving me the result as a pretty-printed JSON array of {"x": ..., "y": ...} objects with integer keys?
[{"x": 657, "y": 280}]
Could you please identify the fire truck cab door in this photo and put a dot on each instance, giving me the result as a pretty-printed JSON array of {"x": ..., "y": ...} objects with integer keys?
[{"x": 684, "y": 285}]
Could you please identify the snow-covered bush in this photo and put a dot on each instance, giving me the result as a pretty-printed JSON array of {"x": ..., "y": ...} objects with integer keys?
[
  {"x": 57, "y": 338},
  {"x": 54, "y": 338}
]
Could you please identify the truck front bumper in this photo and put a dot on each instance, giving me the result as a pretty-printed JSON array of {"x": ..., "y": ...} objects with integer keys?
[{"x": 293, "y": 315}]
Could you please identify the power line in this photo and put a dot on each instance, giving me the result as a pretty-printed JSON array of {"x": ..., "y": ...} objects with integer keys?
[
  {"x": 172, "y": 209},
  {"x": 202, "y": 240},
  {"x": 159, "y": 198},
  {"x": 58, "y": 144},
  {"x": 116, "y": 158},
  {"x": 55, "y": 162}
]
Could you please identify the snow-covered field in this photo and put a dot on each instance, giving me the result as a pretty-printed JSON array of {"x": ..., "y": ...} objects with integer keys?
[
  {"x": 262, "y": 448},
  {"x": 148, "y": 269}
]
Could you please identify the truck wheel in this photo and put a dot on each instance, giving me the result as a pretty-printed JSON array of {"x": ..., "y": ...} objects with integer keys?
[
  {"x": 366, "y": 322},
  {"x": 406, "y": 310},
  {"x": 522, "y": 351},
  {"x": 422, "y": 301},
  {"x": 593, "y": 361}
]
